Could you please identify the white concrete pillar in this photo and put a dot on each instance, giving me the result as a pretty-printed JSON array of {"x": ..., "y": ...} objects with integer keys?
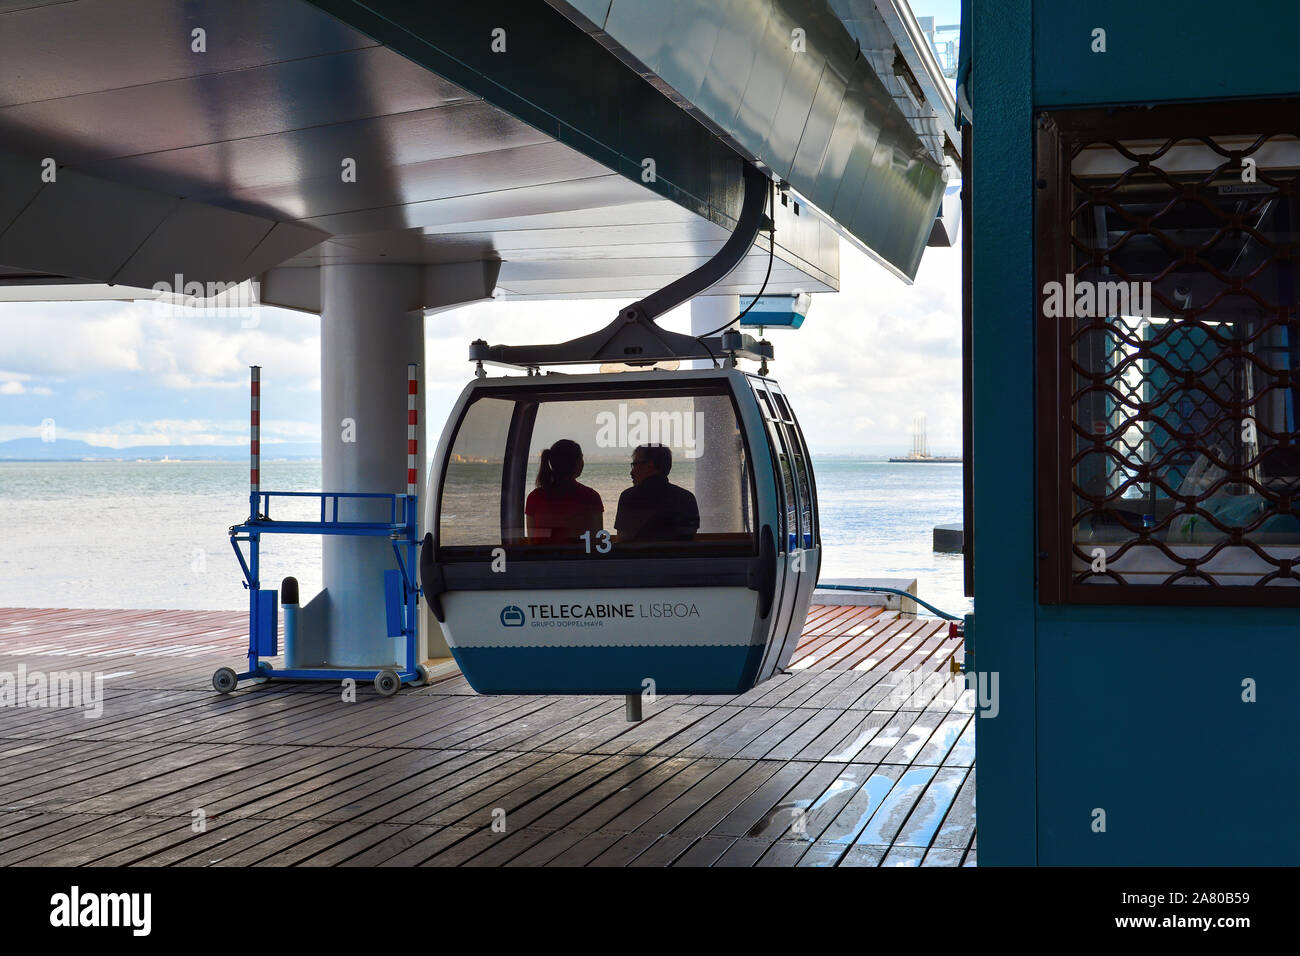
[
  {"x": 368, "y": 335},
  {"x": 717, "y": 482}
]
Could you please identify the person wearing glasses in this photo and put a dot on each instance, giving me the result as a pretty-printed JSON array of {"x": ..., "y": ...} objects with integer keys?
[{"x": 654, "y": 509}]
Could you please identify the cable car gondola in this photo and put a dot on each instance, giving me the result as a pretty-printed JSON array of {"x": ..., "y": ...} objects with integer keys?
[{"x": 667, "y": 541}]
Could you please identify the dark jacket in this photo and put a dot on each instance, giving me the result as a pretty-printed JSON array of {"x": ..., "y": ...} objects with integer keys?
[{"x": 657, "y": 510}]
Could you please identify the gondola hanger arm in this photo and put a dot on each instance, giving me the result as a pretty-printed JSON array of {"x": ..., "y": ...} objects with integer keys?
[{"x": 635, "y": 337}]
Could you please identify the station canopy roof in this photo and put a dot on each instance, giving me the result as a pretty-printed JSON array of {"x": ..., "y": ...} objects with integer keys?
[{"x": 221, "y": 139}]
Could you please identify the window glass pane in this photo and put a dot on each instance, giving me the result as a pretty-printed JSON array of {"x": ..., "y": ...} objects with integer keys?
[
  {"x": 780, "y": 403},
  {"x": 471, "y": 494},
  {"x": 599, "y": 474},
  {"x": 1181, "y": 387},
  {"x": 787, "y": 484},
  {"x": 805, "y": 486}
]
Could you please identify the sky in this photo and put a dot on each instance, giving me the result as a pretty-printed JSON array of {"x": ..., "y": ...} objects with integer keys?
[
  {"x": 119, "y": 374},
  {"x": 867, "y": 360}
]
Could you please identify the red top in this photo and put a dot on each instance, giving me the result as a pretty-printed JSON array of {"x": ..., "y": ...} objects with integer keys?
[{"x": 562, "y": 514}]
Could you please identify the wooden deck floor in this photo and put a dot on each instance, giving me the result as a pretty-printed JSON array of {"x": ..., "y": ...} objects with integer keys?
[{"x": 860, "y": 756}]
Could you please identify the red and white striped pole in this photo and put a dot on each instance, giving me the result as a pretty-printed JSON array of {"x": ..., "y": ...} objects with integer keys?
[
  {"x": 255, "y": 437},
  {"x": 412, "y": 421}
]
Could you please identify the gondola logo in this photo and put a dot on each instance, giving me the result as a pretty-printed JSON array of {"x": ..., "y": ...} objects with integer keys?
[{"x": 512, "y": 616}]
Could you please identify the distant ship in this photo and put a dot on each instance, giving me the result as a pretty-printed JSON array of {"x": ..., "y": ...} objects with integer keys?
[{"x": 921, "y": 449}]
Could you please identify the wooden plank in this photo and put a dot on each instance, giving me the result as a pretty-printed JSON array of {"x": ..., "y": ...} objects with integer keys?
[
  {"x": 914, "y": 738},
  {"x": 711, "y": 813},
  {"x": 118, "y": 778},
  {"x": 237, "y": 797},
  {"x": 137, "y": 852},
  {"x": 31, "y": 787},
  {"x": 869, "y": 725},
  {"x": 943, "y": 739},
  {"x": 963, "y": 752},
  {"x": 807, "y": 732},
  {"x": 705, "y": 851},
  {"x": 763, "y": 802},
  {"x": 822, "y": 854},
  {"x": 744, "y": 852},
  {"x": 931, "y": 808},
  {"x": 626, "y": 849},
  {"x": 472, "y": 803},
  {"x": 595, "y": 807},
  {"x": 422, "y": 852},
  {"x": 292, "y": 845},
  {"x": 426, "y": 793},
  {"x": 525, "y": 808},
  {"x": 655, "y": 730},
  {"x": 940, "y": 856},
  {"x": 958, "y": 829},
  {"x": 663, "y": 851},
  {"x": 887, "y": 738},
  {"x": 538, "y": 846},
  {"x": 284, "y": 801},
  {"x": 72, "y": 831},
  {"x": 290, "y": 774},
  {"x": 709, "y": 776},
  {"x": 844, "y": 728},
  {"x": 904, "y": 856},
  {"x": 366, "y": 837},
  {"x": 585, "y": 849},
  {"x": 732, "y": 736},
  {"x": 397, "y": 841},
  {"x": 864, "y": 855},
  {"x": 858, "y": 810},
  {"x": 789, "y": 721},
  {"x": 893, "y": 813},
  {"x": 346, "y": 802},
  {"x": 784, "y": 853},
  {"x": 287, "y": 767}
]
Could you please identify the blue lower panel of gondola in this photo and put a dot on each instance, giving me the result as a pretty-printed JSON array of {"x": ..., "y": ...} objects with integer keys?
[{"x": 609, "y": 670}]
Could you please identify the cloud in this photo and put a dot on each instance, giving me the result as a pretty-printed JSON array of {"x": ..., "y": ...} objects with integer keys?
[
  {"x": 16, "y": 383},
  {"x": 866, "y": 360},
  {"x": 173, "y": 431},
  {"x": 175, "y": 348}
]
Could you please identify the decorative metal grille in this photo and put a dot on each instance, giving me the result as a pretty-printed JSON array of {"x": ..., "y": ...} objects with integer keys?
[{"x": 1168, "y": 297}]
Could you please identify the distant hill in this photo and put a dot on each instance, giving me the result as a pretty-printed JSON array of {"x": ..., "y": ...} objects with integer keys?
[{"x": 67, "y": 449}]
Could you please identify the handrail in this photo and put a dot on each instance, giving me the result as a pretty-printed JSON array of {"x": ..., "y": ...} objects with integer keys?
[
  {"x": 907, "y": 594},
  {"x": 264, "y": 501}
]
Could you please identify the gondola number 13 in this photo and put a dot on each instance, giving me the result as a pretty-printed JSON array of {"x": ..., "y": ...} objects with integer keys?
[{"x": 602, "y": 541}]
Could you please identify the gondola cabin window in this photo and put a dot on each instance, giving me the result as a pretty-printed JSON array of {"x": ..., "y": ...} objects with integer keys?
[
  {"x": 598, "y": 475},
  {"x": 1169, "y": 356}
]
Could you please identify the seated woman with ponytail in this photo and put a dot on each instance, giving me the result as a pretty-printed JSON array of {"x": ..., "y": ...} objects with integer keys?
[{"x": 561, "y": 509}]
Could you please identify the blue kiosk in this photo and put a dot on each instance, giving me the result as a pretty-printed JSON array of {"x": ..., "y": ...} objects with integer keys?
[{"x": 1133, "y": 383}]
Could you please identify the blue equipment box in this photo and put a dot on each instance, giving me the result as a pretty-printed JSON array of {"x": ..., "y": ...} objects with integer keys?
[{"x": 268, "y": 630}]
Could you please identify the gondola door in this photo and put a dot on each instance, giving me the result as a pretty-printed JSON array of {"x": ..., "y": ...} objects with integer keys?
[{"x": 800, "y": 546}]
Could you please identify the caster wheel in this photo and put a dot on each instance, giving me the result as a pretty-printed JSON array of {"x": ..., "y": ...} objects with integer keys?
[
  {"x": 224, "y": 680},
  {"x": 387, "y": 683},
  {"x": 264, "y": 669},
  {"x": 424, "y": 675}
]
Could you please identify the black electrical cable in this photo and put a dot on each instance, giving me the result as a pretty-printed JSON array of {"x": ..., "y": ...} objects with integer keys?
[{"x": 771, "y": 250}]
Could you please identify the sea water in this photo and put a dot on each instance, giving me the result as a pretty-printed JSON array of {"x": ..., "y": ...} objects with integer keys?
[{"x": 149, "y": 534}]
